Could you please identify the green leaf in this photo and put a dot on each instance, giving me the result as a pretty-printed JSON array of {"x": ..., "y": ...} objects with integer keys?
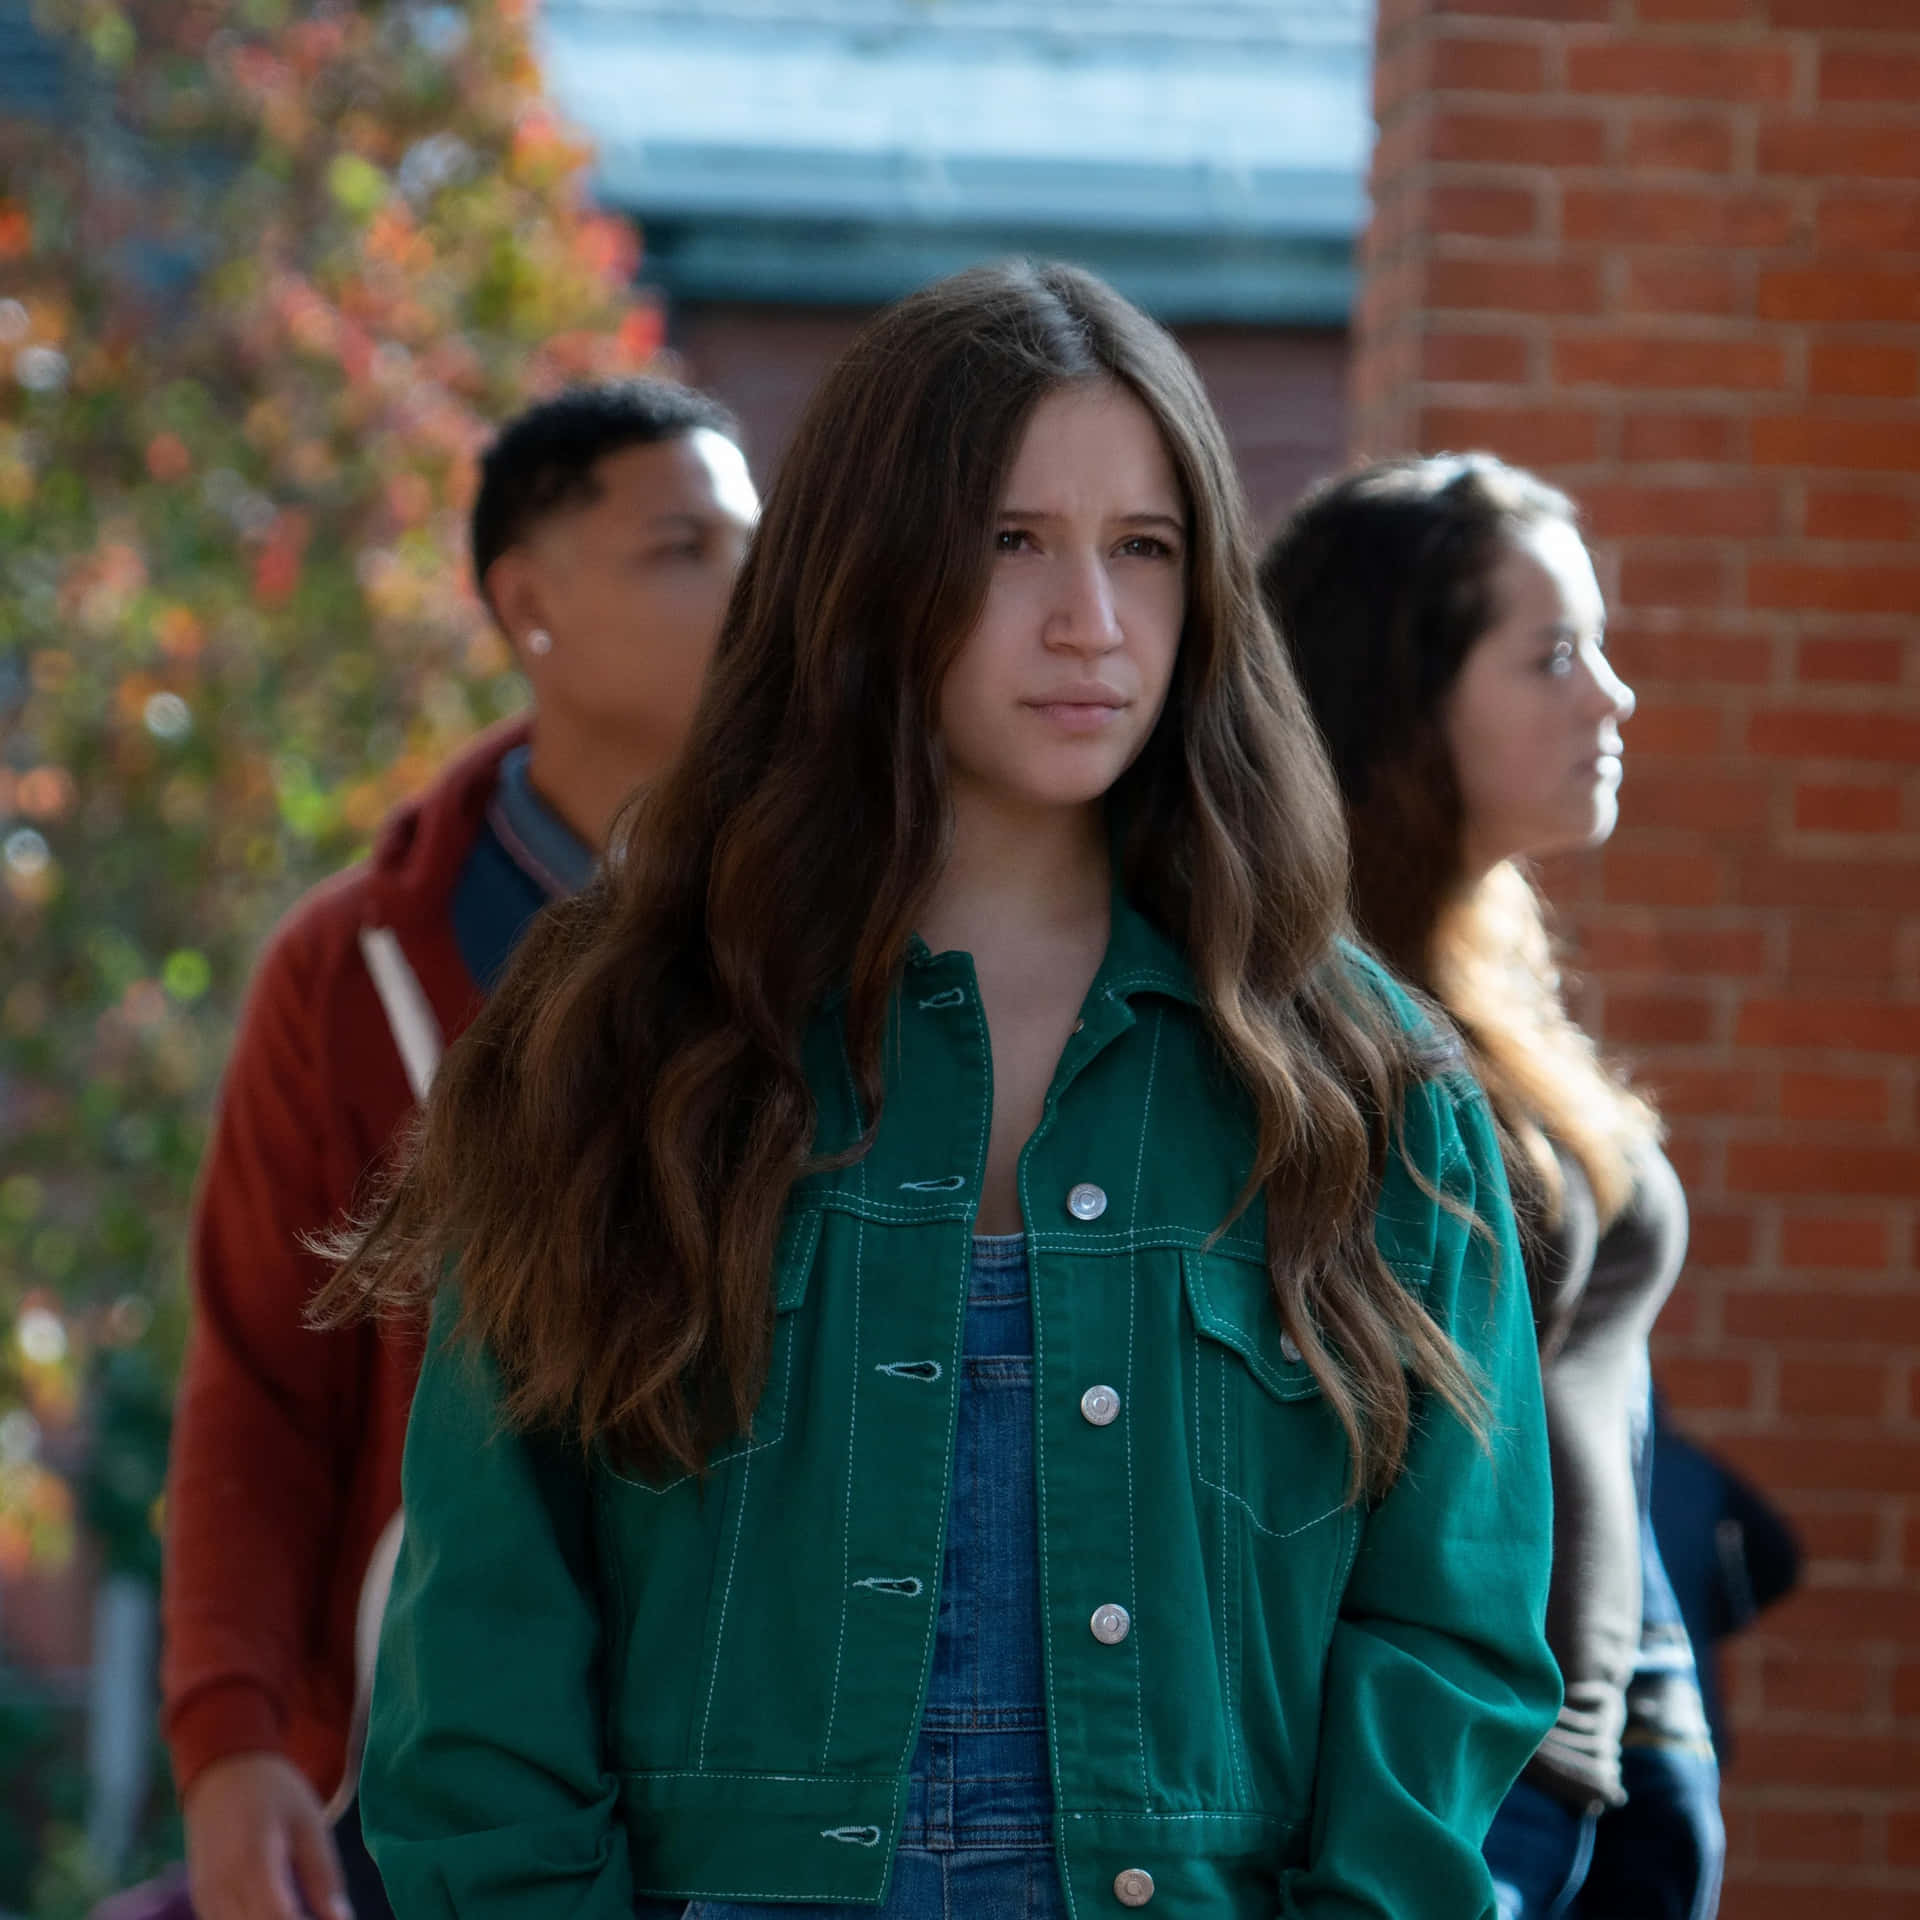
[
  {"x": 111, "y": 39},
  {"x": 356, "y": 184},
  {"x": 187, "y": 974},
  {"x": 21, "y": 1197}
]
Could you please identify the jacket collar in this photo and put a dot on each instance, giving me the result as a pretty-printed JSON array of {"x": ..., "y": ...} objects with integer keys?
[{"x": 1142, "y": 959}]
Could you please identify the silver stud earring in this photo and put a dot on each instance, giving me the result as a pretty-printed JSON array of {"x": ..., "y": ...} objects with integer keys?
[{"x": 539, "y": 640}]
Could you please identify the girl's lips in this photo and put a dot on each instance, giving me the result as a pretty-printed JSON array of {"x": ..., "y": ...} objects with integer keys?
[{"x": 1077, "y": 716}]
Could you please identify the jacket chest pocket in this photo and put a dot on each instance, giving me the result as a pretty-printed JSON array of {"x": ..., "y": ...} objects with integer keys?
[
  {"x": 667, "y": 1543},
  {"x": 793, "y": 1262},
  {"x": 1263, "y": 1436}
]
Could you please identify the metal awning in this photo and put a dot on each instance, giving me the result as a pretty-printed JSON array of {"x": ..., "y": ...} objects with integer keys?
[{"x": 1210, "y": 157}]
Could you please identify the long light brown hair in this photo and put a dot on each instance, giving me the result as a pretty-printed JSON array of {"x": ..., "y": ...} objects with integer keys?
[
  {"x": 606, "y": 1153},
  {"x": 1382, "y": 583}
]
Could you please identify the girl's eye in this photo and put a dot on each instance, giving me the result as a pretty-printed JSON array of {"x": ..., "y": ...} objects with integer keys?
[
  {"x": 1559, "y": 662},
  {"x": 1010, "y": 540},
  {"x": 1143, "y": 546}
]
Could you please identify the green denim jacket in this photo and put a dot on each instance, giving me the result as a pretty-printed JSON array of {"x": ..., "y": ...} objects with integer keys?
[{"x": 593, "y": 1687}]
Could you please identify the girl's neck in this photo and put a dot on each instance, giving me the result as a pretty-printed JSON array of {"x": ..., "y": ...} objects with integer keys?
[{"x": 1017, "y": 869}]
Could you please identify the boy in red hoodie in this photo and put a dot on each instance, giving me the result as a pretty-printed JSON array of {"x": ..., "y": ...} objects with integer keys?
[{"x": 606, "y": 534}]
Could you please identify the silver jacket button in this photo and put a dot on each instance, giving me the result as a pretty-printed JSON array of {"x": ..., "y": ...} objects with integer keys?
[
  {"x": 1290, "y": 1347},
  {"x": 1111, "y": 1624},
  {"x": 1086, "y": 1201},
  {"x": 1100, "y": 1406},
  {"x": 1133, "y": 1886}
]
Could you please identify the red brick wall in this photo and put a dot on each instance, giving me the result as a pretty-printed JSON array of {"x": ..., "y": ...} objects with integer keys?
[{"x": 1669, "y": 252}]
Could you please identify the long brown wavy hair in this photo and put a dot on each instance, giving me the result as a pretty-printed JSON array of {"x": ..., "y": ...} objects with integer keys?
[
  {"x": 606, "y": 1153},
  {"x": 1382, "y": 583}
]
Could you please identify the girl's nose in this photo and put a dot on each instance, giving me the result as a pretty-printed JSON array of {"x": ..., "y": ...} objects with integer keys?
[
  {"x": 1084, "y": 619},
  {"x": 1613, "y": 693}
]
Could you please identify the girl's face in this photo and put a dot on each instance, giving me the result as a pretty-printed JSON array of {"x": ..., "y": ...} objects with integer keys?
[
  {"x": 1060, "y": 682},
  {"x": 1533, "y": 720}
]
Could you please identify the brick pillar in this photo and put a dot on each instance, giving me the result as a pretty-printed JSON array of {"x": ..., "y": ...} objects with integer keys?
[{"x": 1668, "y": 252}]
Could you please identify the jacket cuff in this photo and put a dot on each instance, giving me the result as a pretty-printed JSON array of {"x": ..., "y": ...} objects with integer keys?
[{"x": 217, "y": 1722}]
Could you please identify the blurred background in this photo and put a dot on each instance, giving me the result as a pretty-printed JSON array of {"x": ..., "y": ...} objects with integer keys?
[{"x": 269, "y": 269}]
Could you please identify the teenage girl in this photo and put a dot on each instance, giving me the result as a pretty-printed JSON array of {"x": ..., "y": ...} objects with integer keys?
[
  {"x": 1446, "y": 625},
  {"x": 985, "y": 1369}
]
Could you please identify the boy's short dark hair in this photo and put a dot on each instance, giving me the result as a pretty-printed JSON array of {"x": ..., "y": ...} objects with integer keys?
[{"x": 544, "y": 459}]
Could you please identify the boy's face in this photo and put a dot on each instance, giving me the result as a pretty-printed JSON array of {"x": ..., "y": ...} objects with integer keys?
[{"x": 631, "y": 586}]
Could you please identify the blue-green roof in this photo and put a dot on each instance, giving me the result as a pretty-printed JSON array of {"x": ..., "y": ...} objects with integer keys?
[{"x": 1209, "y": 155}]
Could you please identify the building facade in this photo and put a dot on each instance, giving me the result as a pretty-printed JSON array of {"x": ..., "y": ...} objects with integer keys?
[
  {"x": 1668, "y": 251},
  {"x": 793, "y": 164}
]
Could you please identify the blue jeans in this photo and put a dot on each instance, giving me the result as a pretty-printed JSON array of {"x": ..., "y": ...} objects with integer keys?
[
  {"x": 1660, "y": 1856},
  {"x": 1539, "y": 1851},
  {"x": 364, "y": 1890},
  {"x": 978, "y": 1835}
]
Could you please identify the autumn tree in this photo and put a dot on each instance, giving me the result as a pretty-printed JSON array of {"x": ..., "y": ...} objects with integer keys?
[{"x": 268, "y": 274}]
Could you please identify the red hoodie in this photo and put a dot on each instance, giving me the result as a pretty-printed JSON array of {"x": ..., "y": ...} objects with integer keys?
[{"x": 286, "y": 1444}]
